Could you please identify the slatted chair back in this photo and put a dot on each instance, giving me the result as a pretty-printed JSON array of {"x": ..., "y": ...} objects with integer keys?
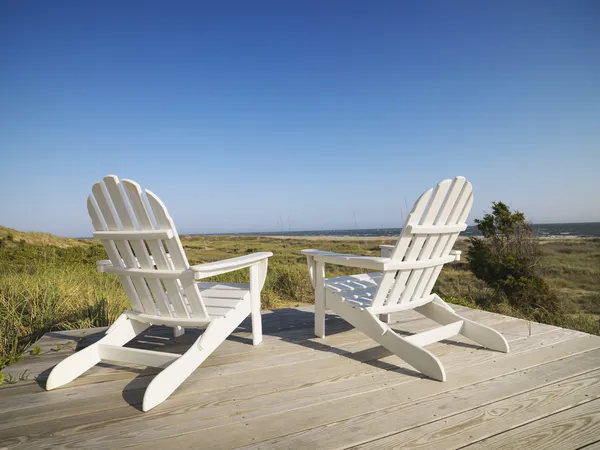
[
  {"x": 430, "y": 231},
  {"x": 144, "y": 249}
]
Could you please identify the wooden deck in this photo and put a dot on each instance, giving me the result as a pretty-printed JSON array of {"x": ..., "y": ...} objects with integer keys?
[{"x": 296, "y": 391}]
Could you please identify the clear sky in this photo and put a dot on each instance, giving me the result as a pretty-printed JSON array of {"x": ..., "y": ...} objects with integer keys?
[{"x": 243, "y": 116}]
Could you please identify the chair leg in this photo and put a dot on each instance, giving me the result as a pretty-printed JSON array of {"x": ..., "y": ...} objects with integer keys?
[
  {"x": 439, "y": 311},
  {"x": 421, "y": 359},
  {"x": 320, "y": 299},
  {"x": 121, "y": 332},
  {"x": 165, "y": 383},
  {"x": 255, "y": 306}
]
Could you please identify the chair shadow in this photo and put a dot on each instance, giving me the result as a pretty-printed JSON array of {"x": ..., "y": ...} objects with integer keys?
[{"x": 291, "y": 325}]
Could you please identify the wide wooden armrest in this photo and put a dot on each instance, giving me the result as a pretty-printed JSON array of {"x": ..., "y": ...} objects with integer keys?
[
  {"x": 386, "y": 250},
  {"x": 342, "y": 259},
  {"x": 228, "y": 265}
]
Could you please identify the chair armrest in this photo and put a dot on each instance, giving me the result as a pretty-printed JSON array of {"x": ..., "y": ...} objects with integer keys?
[
  {"x": 341, "y": 259},
  {"x": 386, "y": 251},
  {"x": 228, "y": 265},
  {"x": 102, "y": 264}
]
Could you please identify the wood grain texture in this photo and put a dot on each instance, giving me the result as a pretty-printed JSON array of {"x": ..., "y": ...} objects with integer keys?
[
  {"x": 573, "y": 428},
  {"x": 295, "y": 390},
  {"x": 488, "y": 420},
  {"x": 402, "y": 414}
]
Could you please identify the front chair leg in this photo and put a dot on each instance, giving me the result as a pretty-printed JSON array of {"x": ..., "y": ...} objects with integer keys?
[
  {"x": 255, "y": 305},
  {"x": 320, "y": 296},
  {"x": 121, "y": 332}
]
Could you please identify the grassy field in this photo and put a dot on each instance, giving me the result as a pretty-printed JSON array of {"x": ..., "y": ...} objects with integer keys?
[{"x": 49, "y": 283}]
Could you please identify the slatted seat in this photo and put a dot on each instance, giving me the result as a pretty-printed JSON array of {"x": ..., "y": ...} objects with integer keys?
[
  {"x": 222, "y": 298},
  {"x": 359, "y": 290},
  {"x": 145, "y": 253},
  {"x": 406, "y": 275}
]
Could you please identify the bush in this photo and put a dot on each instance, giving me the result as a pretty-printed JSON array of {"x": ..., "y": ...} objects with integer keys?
[{"x": 507, "y": 259}]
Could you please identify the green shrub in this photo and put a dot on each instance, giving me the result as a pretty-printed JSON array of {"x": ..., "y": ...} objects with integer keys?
[{"x": 507, "y": 259}]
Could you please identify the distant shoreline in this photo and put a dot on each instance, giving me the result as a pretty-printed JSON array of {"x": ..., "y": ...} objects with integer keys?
[{"x": 379, "y": 238}]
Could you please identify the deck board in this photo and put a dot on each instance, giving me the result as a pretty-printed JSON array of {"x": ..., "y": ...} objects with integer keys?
[{"x": 298, "y": 391}]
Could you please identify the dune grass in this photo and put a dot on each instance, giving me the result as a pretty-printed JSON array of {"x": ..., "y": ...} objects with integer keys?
[{"x": 48, "y": 284}]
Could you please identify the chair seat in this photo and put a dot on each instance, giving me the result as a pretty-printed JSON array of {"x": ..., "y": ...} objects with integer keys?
[
  {"x": 357, "y": 290},
  {"x": 221, "y": 298}
]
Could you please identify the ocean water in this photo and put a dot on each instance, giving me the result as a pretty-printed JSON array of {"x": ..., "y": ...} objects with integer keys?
[{"x": 554, "y": 230}]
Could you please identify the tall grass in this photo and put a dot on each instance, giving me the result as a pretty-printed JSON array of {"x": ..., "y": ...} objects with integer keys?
[
  {"x": 41, "y": 291},
  {"x": 45, "y": 287}
]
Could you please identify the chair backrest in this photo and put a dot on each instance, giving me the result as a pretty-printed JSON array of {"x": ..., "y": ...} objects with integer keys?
[
  {"x": 144, "y": 249},
  {"x": 430, "y": 231}
]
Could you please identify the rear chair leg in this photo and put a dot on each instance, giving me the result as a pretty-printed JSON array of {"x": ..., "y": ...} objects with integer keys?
[
  {"x": 439, "y": 311},
  {"x": 421, "y": 359},
  {"x": 121, "y": 332}
]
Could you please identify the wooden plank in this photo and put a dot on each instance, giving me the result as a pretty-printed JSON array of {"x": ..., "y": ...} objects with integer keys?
[
  {"x": 573, "y": 428},
  {"x": 277, "y": 343},
  {"x": 232, "y": 352},
  {"x": 436, "y": 334},
  {"x": 295, "y": 408},
  {"x": 494, "y": 418},
  {"x": 334, "y": 419},
  {"x": 136, "y": 356},
  {"x": 512, "y": 328},
  {"x": 509, "y": 326},
  {"x": 404, "y": 415},
  {"x": 113, "y": 399}
]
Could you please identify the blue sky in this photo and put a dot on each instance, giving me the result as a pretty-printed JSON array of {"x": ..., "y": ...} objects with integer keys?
[{"x": 244, "y": 115}]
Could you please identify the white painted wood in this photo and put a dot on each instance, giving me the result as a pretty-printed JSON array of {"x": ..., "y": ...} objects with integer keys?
[
  {"x": 387, "y": 250},
  {"x": 134, "y": 234},
  {"x": 421, "y": 359},
  {"x": 436, "y": 335},
  {"x": 159, "y": 257},
  {"x": 167, "y": 321},
  {"x": 445, "y": 199},
  {"x": 436, "y": 229},
  {"x": 111, "y": 249},
  {"x": 255, "y": 302},
  {"x": 165, "y": 383},
  {"x": 407, "y": 273},
  {"x": 364, "y": 262},
  {"x": 388, "y": 309},
  {"x": 149, "y": 273},
  {"x": 460, "y": 191},
  {"x": 441, "y": 312},
  {"x": 405, "y": 281},
  {"x": 78, "y": 363},
  {"x": 415, "y": 265},
  {"x": 145, "y": 259},
  {"x": 320, "y": 297},
  {"x": 150, "y": 358},
  {"x": 227, "y": 265}
]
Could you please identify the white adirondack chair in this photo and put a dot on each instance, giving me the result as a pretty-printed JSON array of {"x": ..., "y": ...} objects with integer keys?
[
  {"x": 404, "y": 279},
  {"x": 146, "y": 254}
]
